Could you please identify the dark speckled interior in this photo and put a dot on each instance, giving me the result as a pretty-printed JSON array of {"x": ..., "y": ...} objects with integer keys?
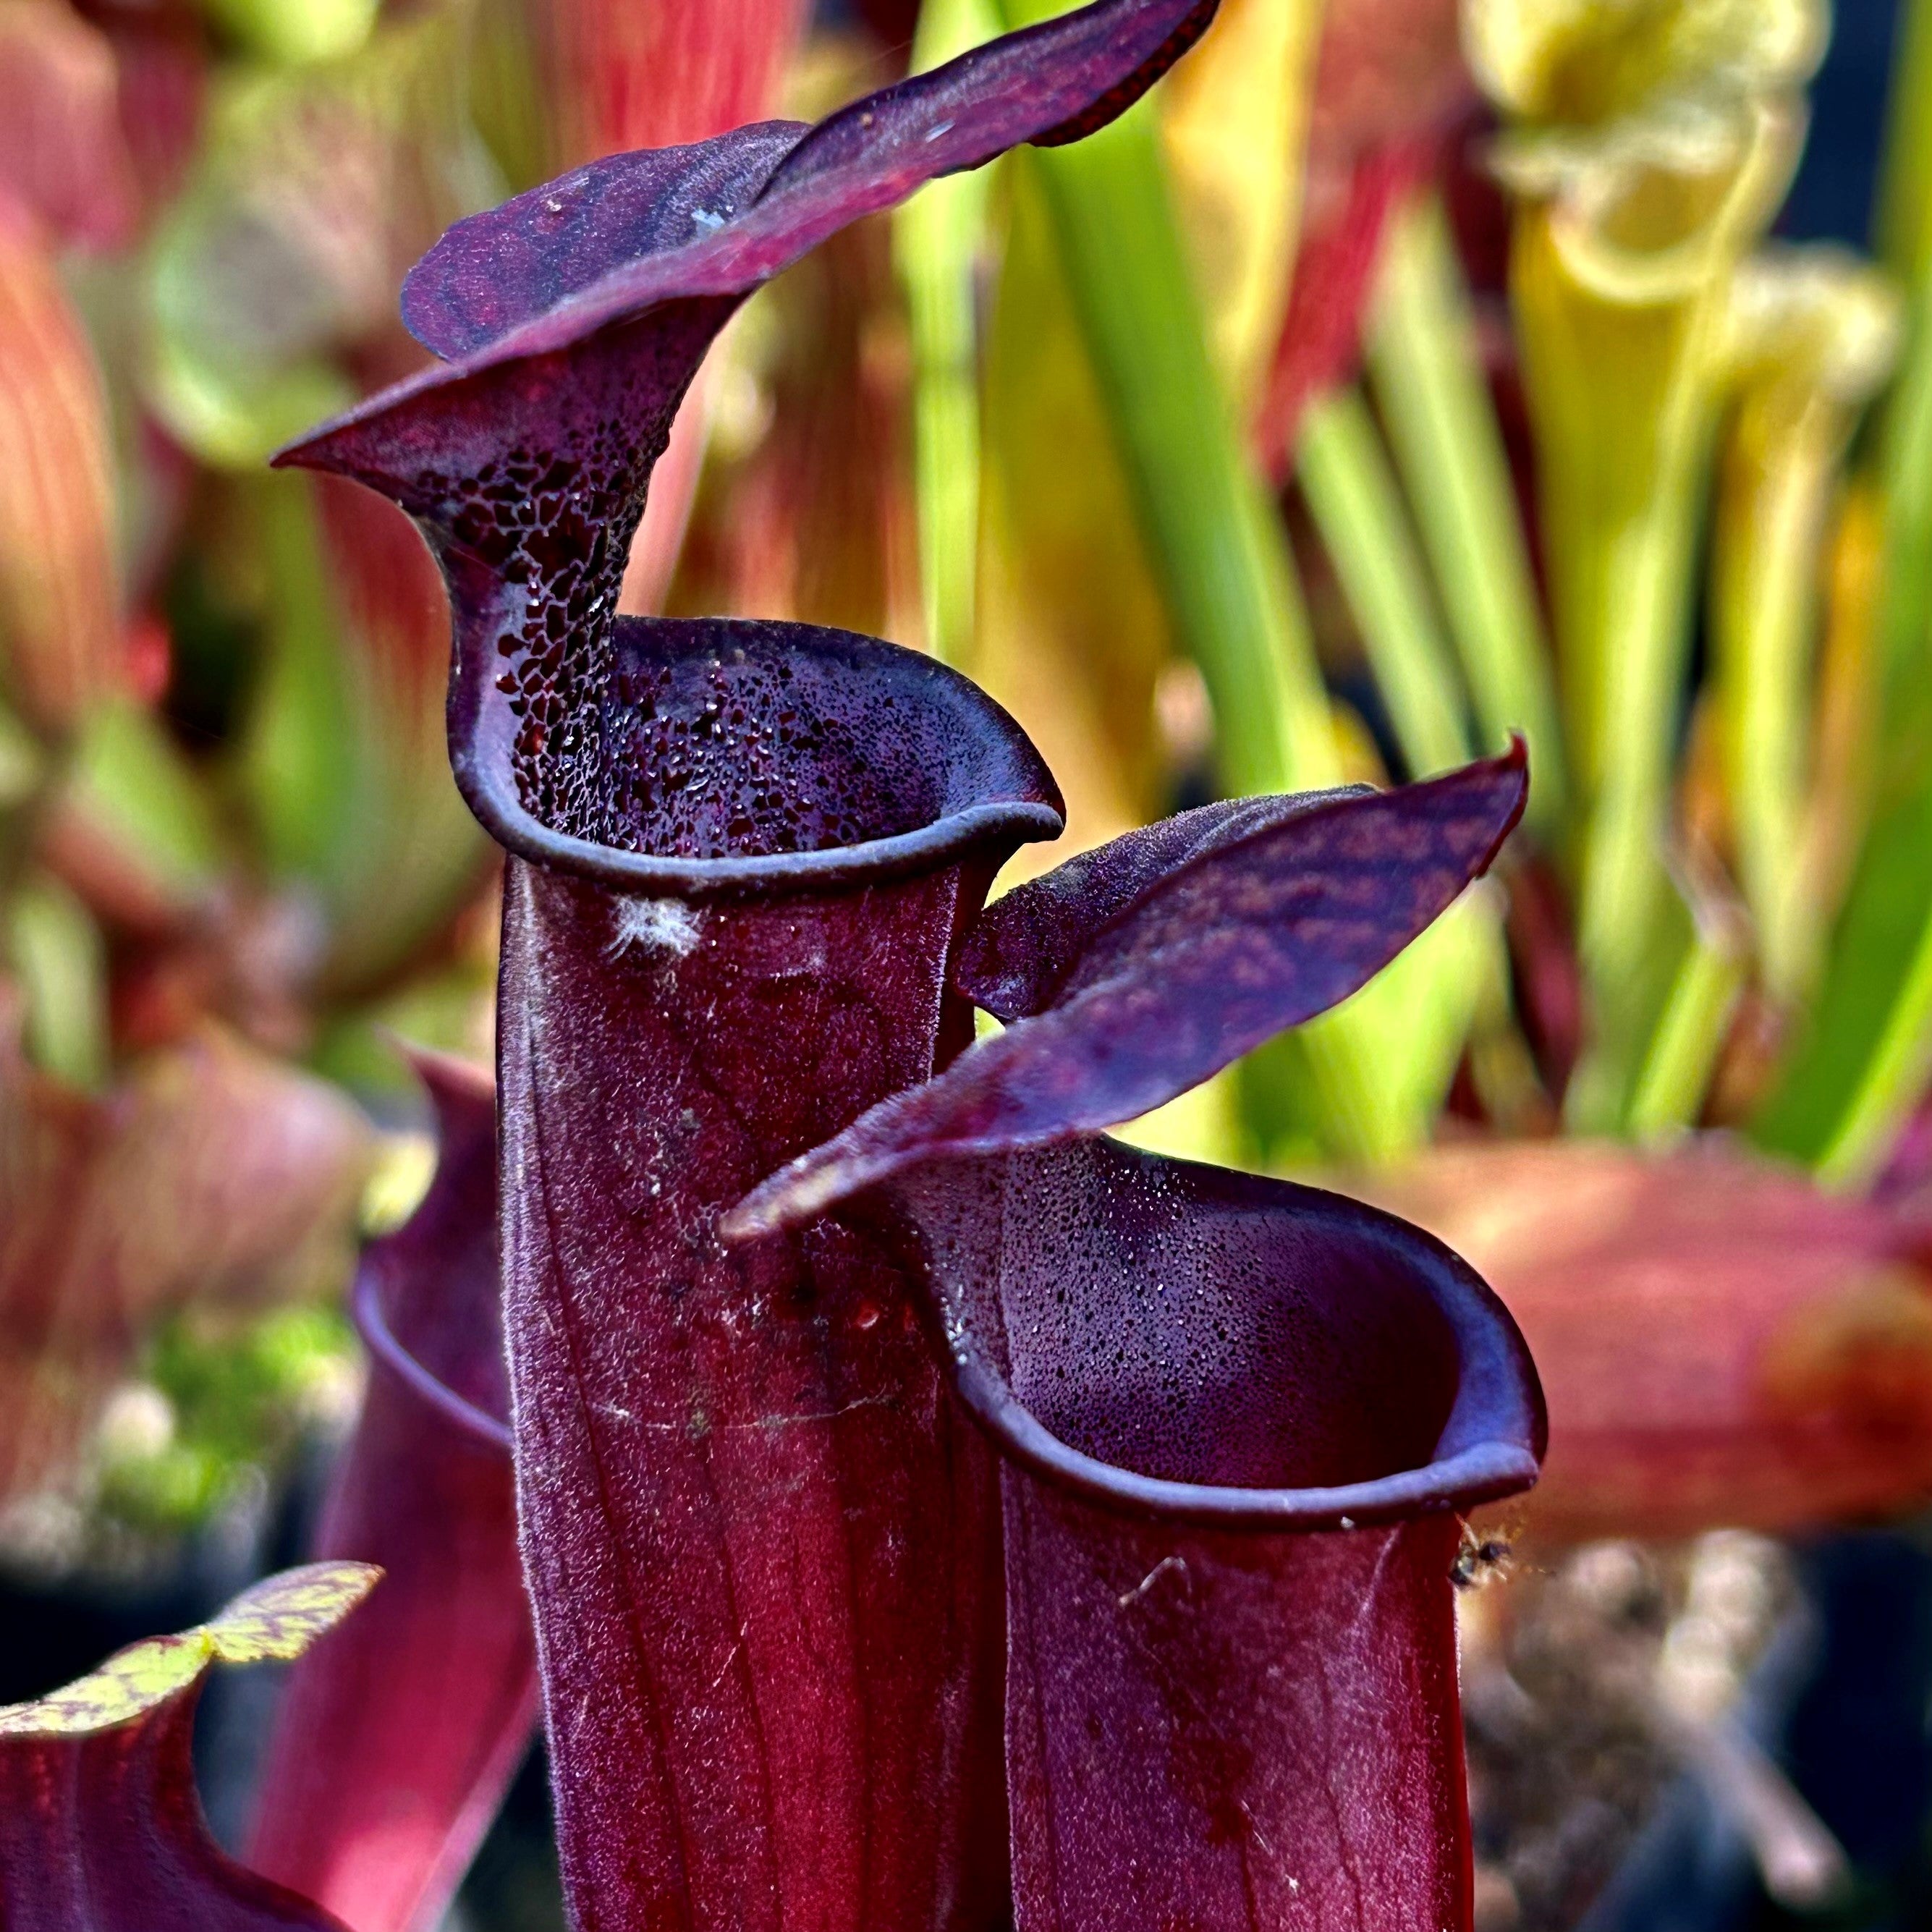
[{"x": 752, "y": 740}]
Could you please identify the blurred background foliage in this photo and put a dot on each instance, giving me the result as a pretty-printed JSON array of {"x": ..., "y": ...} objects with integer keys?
[
  {"x": 1398, "y": 376},
  {"x": 1401, "y": 374}
]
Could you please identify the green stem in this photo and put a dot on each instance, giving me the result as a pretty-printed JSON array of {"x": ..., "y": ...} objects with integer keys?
[
  {"x": 1641, "y": 652},
  {"x": 1895, "y": 1077},
  {"x": 303, "y": 768},
  {"x": 25, "y": 766},
  {"x": 1857, "y": 1076},
  {"x": 1900, "y": 219},
  {"x": 59, "y": 959},
  {"x": 1893, "y": 1081},
  {"x": 1442, "y": 430},
  {"x": 1358, "y": 510},
  {"x": 1215, "y": 540},
  {"x": 938, "y": 239},
  {"x": 1221, "y": 554},
  {"x": 1644, "y": 650},
  {"x": 1763, "y": 606},
  {"x": 1676, "y": 1073},
  {"x": 1905, "y": 616},
  {"x": 129, "y": 779}
]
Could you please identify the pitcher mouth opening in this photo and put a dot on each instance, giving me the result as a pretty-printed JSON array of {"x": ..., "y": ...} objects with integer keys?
[
  {"x": 369, "y": 1308},
  {"x": 1276, "y": 1358},
  {"x": 728, "y": 757}
]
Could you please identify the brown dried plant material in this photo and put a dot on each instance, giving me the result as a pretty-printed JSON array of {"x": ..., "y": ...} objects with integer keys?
[{"x": 1569, "y": 1669}]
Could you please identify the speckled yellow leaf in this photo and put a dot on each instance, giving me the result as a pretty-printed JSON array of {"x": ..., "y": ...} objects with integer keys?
[
  {"x": 276, "y": 1620},
  {"x": 281, "y": 1617}
]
